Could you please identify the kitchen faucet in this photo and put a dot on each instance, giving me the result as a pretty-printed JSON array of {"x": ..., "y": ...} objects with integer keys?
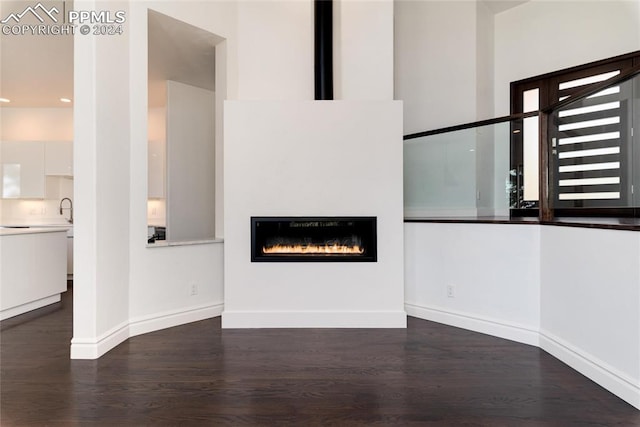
[{"x": 70, "y": 208}]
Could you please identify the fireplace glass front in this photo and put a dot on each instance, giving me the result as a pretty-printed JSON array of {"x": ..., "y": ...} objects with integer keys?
[{"x": 313, "y": 239}]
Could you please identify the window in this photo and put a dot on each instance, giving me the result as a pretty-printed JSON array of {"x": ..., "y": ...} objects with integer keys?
[{"x": 591, "y": 163}]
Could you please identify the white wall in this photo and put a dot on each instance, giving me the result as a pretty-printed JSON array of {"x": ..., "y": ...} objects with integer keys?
[
  {"x": 275, "y": 49},
  {"x": 190, "y": 163},
  {"x": 339, "y": 158},
  {"x": 363, "y": 49},
  {"x": 101, "y": 141},
  {"x": 162, "y": 278},
  {"x": 590, "y": 300},
  {"x": 485, "y": 45},
  {"x": 122, "y": 287},
  {"x": 495, "y": 271},
  {"x": 435, "y": 68},
  {"x": 157, "y": 124},
  {"x": 542, "y": 36}
]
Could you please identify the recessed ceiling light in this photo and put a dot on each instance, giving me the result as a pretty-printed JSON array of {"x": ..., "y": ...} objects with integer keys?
[
  {"x": 65, "y": 100},
  {"x": 5, "y": 100}
]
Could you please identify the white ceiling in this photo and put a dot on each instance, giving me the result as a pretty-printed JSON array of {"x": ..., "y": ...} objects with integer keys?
[{"x": 36, "y": 71}]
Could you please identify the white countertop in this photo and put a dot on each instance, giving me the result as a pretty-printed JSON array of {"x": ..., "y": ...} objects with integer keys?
[
  {"x": 34, "y": 223},
  {"x": 166, "y": 244},
  {"x": 52, "y": 225},
  {"x": 30, "y": 230}
]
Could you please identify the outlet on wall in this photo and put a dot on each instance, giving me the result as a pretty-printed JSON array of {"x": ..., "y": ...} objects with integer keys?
[
  {"x": 451, "y": 291},
  {"x": 194, "y": 289}
]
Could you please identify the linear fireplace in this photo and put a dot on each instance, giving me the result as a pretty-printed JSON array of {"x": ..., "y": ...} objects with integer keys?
[{"x": 313, "y": 239}]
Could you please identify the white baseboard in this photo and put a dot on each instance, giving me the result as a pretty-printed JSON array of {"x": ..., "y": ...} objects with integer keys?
[
  {"x": 494, "y": 327},
  {"x": 591, "y": 367},
  {"x": 169, "y": 319},
  {"x": 93, "y": 349},
  {"x": 314, "y": 319},
  {"x": 87, "y": 348},
  {"x": 24, "y": 308}
]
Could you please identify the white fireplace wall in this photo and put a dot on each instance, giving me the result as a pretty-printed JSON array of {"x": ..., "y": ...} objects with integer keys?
[{"x": 310, "y": 158}]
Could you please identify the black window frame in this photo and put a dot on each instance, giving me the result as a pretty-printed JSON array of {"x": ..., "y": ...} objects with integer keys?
[{"x": 548, "y": 96}]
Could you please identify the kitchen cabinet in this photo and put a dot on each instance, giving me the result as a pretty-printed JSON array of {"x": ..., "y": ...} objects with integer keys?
[
  {"x": 22, "y": 287},
  {"x": 69, "y": 256},
  {"x": 58, "y": 157},
  {"x": 156, "y": 171},
  {"x": 22, "y": 169}
]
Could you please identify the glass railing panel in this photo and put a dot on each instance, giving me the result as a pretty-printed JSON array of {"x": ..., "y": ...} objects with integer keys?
[
  {"x": 462, "y": 174},
  {"x": 594, "y": 163}
]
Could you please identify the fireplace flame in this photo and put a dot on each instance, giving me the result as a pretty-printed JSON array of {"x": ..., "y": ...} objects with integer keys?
[{"x": 313, "y": 249}]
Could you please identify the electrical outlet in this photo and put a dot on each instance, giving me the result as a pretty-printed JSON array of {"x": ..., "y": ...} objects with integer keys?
[
  {"x": 451, "y": 291},
  {"x": 194, "y": 289}
]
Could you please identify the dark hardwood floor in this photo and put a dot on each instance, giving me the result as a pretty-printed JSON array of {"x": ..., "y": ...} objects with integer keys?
[{"x": 200, "y": 375}]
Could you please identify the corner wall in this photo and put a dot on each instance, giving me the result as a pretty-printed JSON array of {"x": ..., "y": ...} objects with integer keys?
[
  {"x": 102, "y": 193},
  {"x": 573, "y": 292},
  {"x": 163, "y": 278},
  {"x": 590, "y": 304},
  {"x": 122, "y": 287}
]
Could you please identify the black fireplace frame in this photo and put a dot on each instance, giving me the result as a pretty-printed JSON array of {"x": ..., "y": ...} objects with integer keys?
[{"x": 371, "y": 247}]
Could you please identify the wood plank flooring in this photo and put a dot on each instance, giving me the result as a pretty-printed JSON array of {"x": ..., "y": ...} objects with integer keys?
[{"x": 200, "y": 375}]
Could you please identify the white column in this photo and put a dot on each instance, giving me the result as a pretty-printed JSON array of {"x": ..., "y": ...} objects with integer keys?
[{"x": 101, "y": 187}]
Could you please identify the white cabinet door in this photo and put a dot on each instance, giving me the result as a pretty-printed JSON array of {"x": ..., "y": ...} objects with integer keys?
[
  {"x": 156, "y": 166},
  {"x": 58, "y": 158},
  {"x": 22, "y": 169}
]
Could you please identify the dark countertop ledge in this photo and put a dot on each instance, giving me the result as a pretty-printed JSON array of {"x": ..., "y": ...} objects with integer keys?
[{"x": 628, "y": 224}]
